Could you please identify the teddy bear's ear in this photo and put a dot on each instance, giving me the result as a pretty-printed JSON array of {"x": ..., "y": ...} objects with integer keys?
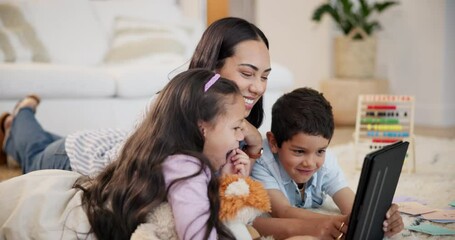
[{"x": 238, "y": 188}]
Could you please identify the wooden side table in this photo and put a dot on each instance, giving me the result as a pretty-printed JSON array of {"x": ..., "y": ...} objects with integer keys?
[{"x": 343, "y": 95}]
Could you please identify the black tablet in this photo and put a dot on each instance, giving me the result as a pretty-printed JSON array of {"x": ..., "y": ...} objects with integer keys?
[{"x": 377, "y": 184}]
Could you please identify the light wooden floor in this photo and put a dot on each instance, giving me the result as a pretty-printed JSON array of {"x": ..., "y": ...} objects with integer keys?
[{"x": 343, "y": 134}]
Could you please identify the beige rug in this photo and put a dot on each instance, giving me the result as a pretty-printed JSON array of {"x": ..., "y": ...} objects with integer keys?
[{"x": 432, "y": 183}]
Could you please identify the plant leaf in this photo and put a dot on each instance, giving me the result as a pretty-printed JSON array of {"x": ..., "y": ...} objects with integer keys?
[
  {"x": 370, "y": 27},
  {"x": 347, "y": 17},
  {"x": 383, "y": 5},
  {"x": 365, "y": 9},
  {"x": 322, "y": 10}
]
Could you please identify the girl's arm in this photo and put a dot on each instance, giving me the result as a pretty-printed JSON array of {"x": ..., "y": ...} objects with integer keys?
[
  {"x": 237, "y": 163},
  {"x": 188, "y": 198}
]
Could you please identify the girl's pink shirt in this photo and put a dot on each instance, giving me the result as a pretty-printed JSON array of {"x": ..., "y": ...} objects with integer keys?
[{"x": 188, "y": 198}]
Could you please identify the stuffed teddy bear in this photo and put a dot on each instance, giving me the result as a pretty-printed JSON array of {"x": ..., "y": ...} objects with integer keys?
[{"x": 242, "y": 200}]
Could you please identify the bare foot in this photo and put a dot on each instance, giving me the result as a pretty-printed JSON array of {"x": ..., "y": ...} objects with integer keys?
[
  {"x": 31, "y": 101},
  {"x": 5, "y": 124},
  {"x": 6, "y": 127}
]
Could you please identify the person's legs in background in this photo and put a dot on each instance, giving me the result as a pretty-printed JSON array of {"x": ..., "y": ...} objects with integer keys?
[{"x": 29, "y": 144}]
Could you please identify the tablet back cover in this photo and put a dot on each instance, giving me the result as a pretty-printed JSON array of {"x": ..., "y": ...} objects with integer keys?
[{"x": 377, "y": 184}]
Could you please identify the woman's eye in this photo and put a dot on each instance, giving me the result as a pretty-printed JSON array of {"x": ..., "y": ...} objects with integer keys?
[
  {"x": 265, "y": 78},
  {"x": 320, "y": 152},
  {"x": 247, "y": 74}
]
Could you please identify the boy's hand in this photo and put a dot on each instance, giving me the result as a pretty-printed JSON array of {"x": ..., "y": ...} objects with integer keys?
[
  {"x": 237, "y": 163},
  {"x": 333, "y": 227},
  {"x": 393, "y": 223}
]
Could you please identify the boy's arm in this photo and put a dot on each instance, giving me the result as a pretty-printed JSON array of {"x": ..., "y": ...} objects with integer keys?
[
  {"x": 283, "y": 228},
  {"x": 344, "y": 199},
  {"x": 281, "y": 207},
  {"x": 393, "y": 222},
  {"x": 311, "y": 221}
]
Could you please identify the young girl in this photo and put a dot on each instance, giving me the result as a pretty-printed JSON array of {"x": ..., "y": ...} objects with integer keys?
[
  {"x": 190, "y": 135},
  {"x": 232, "y": 47}
]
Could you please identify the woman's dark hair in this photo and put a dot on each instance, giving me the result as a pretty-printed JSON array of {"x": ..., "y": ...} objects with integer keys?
[
  {"x": 121, "y": 196},
  {"x": 218, "y": 43}
]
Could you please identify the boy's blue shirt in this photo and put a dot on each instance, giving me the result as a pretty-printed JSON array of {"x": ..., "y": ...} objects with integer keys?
[{"x": 326, "y": 181}]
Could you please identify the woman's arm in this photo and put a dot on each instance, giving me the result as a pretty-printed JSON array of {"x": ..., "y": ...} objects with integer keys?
[{"x": 253, "y": 140}]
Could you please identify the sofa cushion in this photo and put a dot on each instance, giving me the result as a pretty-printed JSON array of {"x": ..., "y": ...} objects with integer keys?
[
  {"x": 135, "y": 81},
  {"x": 54, "y": 81}
]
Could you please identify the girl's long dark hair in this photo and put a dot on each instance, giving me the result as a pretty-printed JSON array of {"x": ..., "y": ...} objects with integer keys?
[
  {"x": 218, "y": 43},
  {"x": 121, "y": 196}
]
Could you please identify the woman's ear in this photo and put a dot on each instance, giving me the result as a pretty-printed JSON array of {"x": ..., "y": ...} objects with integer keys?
[{"x": 272, "y": 142}]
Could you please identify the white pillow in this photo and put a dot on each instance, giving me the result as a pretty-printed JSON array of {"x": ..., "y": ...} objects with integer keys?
[
  {"x": 69, "y": 29},
  {"x": 137, "y": 39},
  {"x": 150, "y": 10},
  {"x": 18, "y": 51},
  {"x": 18, "y": 39}
]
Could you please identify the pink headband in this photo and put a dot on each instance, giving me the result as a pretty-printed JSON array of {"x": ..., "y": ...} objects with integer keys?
[{"x": 211, "y": 82}]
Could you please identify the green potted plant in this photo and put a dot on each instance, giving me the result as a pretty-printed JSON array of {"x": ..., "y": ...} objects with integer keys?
[{"x": 355, "y": 51}]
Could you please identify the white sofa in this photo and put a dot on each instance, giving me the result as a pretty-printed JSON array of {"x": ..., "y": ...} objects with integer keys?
[{"x": 96, "y": 63}]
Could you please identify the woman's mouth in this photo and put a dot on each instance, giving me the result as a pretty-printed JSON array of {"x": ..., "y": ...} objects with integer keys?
[{"x": 249, "y": 102}]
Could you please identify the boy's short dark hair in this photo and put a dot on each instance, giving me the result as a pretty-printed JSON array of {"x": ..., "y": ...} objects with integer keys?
[{"x": 303, "y": 110}]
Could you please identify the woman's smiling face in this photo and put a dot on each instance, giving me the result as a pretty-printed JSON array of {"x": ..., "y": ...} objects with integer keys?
[{"x": 249, "y": 68}]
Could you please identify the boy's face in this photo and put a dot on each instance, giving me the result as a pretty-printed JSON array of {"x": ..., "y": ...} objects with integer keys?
[{"x": 301, "y": 156}]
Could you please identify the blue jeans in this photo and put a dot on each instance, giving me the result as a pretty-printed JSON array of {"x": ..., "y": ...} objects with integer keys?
[{"x": 33, "y": 147}]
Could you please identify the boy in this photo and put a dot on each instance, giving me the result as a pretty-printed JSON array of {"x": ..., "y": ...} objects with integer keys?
[{"x": 298, "y": 173}]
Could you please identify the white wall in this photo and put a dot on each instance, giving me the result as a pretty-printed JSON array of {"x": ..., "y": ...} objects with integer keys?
[
  {"x": 449, "y": 77},
  {"x": 415, "y": 50},
  {"x": 295, "y": 41}
]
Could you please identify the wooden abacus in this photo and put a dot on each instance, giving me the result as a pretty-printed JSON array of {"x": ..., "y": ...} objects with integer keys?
[{"x": 382, "y": 120}]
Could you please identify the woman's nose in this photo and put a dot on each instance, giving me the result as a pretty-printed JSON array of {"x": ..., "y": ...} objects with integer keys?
[{"x": 258, "y": 86}]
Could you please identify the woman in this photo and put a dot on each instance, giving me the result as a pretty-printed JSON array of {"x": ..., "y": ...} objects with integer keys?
[{"x": 232, "y": 47}]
